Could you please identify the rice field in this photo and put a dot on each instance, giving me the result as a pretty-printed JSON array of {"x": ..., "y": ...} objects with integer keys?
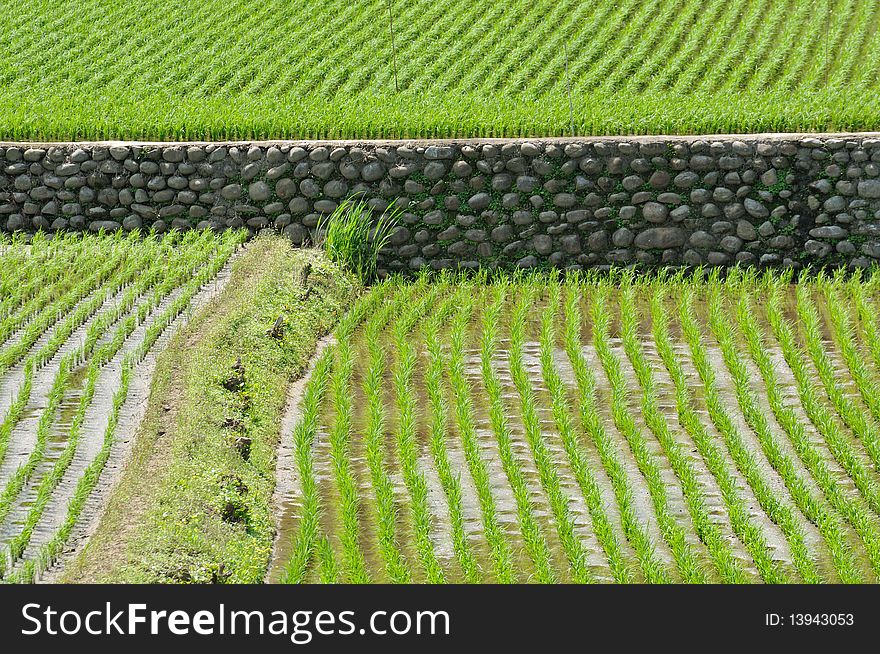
[
  {"x": 225, "y": 69},
  {"x": 598, "y": 428},
  {"x": 81, "y": 320}
]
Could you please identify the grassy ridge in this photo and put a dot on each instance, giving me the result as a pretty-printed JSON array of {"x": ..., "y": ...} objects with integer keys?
[{"x": 306, "y": 69}]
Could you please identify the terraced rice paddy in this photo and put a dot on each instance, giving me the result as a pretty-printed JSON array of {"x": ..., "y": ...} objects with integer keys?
[
  {"x": 592, "y": 429},
  {"x": 220, "y": 69},
  {"x": 81, "y": 318}
]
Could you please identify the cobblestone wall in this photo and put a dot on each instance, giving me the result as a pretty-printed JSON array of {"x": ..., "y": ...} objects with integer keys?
[{"x": 765, "y": 200}]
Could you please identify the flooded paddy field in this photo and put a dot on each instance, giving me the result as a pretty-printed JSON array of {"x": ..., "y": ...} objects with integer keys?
[{"x": 591, "y": 429}]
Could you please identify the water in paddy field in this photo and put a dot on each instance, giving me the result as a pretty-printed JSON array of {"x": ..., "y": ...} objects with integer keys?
[{"x": 56, "y": 443}]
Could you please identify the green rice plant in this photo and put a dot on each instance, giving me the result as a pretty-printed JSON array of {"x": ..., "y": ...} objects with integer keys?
[
  {"x": 307, "y": 537},
  {"x": 352, "y": 238},
  {"x": 328, "y": 568},
  {"x": 439, "y": 433},
  {"x": 722, "y": 556},
  {"x": 776, "y": 509},
  {"x": 534, "y": 539},
  {"x": 353, "y": 561},
  {"x": 813, "y": 507},
  {"x": 407, "y": 445},
  {"x": 685, "y": 557},
  {"x": 867, "y": 316},
  {"x": 565, "y": 425},
  {"x": 842, "y": 321},
  {"x": 500, "y": 550},
  {"x": 744, "y": 526},
  {"x": 837, "y": 442},
  {"x": 651, "y": 566}
]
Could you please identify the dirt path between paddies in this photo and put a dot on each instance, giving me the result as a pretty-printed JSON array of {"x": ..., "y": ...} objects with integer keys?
[{"x": 132, "y": 417}]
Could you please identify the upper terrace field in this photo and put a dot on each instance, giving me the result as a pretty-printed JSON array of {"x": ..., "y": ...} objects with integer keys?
[{"x": 221, "y": 69}]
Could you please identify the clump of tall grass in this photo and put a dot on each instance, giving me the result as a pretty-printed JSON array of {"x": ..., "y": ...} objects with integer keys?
[{"x": 352, "y": 238}]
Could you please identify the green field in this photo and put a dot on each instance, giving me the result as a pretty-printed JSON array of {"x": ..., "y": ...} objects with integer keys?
[{"x": 218, "y": 69}]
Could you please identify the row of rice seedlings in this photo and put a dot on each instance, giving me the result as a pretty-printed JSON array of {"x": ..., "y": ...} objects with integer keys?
[
  {"x": 406, "y": 436},
  {"x": 567, "y": 429},
  {"x": 50, "y": 551},
  {"x": 841, "y": 322},
  {"x": 813, "y": 507},
  {"x": 535, "y": 542},
  {"x": 374, "y": 437},
  {"x": 353, "y": 562},
  {"x": 307, "y": 539},
  {"x": 851, "y": 509},
  {"x": 683, "y": 553},
  {"x": 328, "y": 567},
  {"x": 651, "y": 565},
  {"x": 547, "y": 469},
  {"x": 776, "y": 509},
  {"x": 744, "y": 526},
  {"x": 500, "y": 550},
  {"x": 720, "y": 552},
  {"x": 173, "y": 277},
  {"x": 819, "y": 415},
  {"x": 867, "y": 316},
  {"x": 439, "y": 428}
]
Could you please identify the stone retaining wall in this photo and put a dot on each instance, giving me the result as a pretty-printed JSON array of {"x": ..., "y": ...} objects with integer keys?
[{"x": 764, "y": 199}]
